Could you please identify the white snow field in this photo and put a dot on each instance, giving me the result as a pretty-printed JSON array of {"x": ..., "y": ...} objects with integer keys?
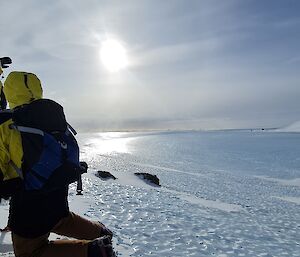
[{"x": 223, "y": 193}]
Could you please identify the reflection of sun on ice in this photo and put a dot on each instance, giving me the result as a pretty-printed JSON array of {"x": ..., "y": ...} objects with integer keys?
[
  {"x": 108, "y": 143},
  {"x": 114, "y": 145},
  {"x": 113, "y": 55}
]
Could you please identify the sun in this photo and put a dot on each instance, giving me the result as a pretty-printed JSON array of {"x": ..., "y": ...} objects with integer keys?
[{"x": 113, "y": 55}]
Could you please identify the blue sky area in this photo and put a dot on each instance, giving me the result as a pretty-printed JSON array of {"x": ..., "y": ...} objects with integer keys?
[{"x": 191, "y": 64}]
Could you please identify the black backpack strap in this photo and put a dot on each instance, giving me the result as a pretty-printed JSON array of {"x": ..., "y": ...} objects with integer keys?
[
  {"x": 3, "y": 102},
  {"x": 27, "y": 129},
  {"x": 18, "y": 170},
  {"x": 71, "y": 129},
  {"x": 5, "y": 115}
]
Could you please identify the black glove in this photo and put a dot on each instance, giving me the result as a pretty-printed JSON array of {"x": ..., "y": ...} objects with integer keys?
[
  {"x": 5, "y": 61},
  {"x": 84, "y": 167}
]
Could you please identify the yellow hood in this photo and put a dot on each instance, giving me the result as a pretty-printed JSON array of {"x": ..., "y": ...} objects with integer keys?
[{"x": 22, "y": 88}]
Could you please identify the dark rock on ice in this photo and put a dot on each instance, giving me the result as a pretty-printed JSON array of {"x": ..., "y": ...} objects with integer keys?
[
  {"x": 153, "y": 179},
  {"x": 105, "y": 175}
]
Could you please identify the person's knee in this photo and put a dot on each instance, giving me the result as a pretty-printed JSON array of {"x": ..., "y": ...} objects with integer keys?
[
  {"x": 30, "y": 252},
  {"x": 105, "y": 231},
  {"x": 29, "y": 247}
]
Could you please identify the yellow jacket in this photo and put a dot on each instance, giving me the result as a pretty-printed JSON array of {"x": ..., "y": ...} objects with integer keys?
[{"x": 19, "y": 88}]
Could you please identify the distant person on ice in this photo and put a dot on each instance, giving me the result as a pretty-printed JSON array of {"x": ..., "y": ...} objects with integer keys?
[{"x": 37, "y": 180}]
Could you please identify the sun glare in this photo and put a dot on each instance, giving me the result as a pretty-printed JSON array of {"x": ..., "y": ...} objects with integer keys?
[
  {"x": 113, "y": 55},
  {"x": 107, "y": 143}
]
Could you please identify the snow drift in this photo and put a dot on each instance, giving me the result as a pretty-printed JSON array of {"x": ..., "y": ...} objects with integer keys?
[{"x": 294, "y": 127}]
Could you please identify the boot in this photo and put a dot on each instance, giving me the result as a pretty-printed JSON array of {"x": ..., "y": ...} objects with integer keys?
[{"x": 101, "y": 247}]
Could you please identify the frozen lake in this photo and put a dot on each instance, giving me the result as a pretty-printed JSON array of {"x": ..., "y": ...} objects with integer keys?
[{"x": 224, "y": 193}]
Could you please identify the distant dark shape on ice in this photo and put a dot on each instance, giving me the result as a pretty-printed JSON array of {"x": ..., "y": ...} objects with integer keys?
[
  {"x": 105, "y": 175},
  {"x": 153, "y": 179}
]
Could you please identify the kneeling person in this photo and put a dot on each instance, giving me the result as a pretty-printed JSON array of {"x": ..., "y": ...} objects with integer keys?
[{"x": 39, "y": 191}]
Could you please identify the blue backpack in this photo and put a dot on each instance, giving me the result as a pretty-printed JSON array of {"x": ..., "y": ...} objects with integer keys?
[{"x": 50, "y": 150}]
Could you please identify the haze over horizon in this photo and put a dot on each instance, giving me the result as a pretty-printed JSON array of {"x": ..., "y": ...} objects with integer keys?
[{"x": 178, "y": 64}]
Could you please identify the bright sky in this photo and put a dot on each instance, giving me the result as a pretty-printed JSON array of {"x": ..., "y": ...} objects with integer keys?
[{"x": 161, "y": 64}]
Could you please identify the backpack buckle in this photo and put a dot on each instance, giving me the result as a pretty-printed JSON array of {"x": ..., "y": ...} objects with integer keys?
[{"x": 63, "y": 145}]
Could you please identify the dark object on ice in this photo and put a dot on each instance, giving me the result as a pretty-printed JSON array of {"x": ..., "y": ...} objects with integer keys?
[
  {"x": 153, "y": 179},
  {"x": 105, "y": 175}
]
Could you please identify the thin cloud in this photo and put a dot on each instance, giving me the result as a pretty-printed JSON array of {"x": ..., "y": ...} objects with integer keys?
[{"x": 204, "y": 62}]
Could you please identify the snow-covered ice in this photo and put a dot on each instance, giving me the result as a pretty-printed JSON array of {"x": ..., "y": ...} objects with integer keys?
[{"x": 233, "y": 193}]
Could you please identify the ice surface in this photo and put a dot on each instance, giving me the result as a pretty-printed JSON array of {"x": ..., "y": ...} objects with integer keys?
[
  {"x": 295, "y": 200},
  {"x": 223, "y": 193}
]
